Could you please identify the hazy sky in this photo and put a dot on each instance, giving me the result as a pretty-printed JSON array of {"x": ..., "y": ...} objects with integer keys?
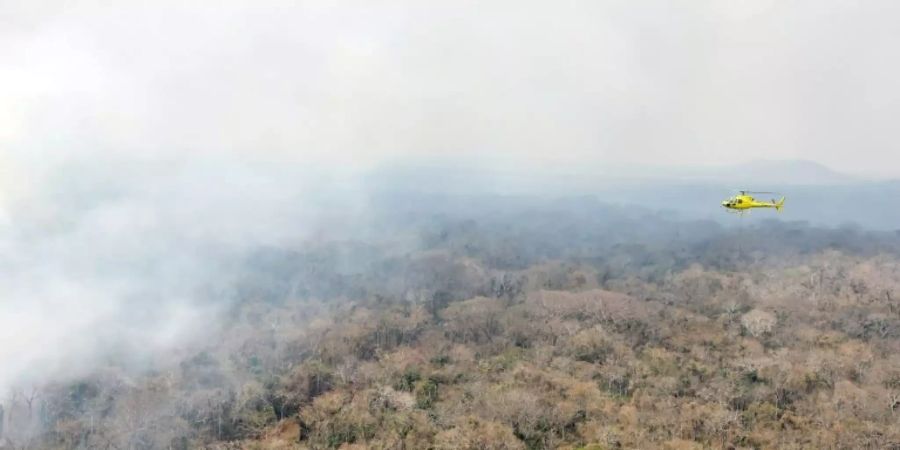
[{"x": 506, "y": 82}]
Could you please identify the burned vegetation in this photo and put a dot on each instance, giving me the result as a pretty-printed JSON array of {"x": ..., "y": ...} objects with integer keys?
[{"x": 525, "y": 326}]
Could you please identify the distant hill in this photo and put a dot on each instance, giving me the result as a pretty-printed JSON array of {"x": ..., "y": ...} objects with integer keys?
[
  {"x": 796, "y": 172},
  {"x": 751, "y": 175}
]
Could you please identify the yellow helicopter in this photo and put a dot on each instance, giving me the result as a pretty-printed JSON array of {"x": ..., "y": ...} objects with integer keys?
[{"x": 744, "y": 202}]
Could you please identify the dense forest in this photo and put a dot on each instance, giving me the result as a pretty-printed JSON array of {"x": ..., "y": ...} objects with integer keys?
[{"x": 514, "y": 324}]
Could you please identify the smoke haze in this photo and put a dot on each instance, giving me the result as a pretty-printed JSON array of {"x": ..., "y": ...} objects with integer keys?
[
  {"x": 513, "y": 84},
  {"x": 147, "y": 147}
]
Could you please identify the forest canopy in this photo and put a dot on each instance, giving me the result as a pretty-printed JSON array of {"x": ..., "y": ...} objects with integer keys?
[{"x": 514, "y": 323}]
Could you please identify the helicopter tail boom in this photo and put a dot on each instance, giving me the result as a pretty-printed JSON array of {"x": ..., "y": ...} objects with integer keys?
[{"x": 779, "y": 204}]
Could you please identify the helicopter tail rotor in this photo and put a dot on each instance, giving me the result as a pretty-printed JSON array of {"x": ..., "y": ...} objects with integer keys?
[{"x": 779, "y": 204}]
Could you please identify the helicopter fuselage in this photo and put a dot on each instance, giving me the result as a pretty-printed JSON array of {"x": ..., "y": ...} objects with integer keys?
[{"x": 745, "y": 202}]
